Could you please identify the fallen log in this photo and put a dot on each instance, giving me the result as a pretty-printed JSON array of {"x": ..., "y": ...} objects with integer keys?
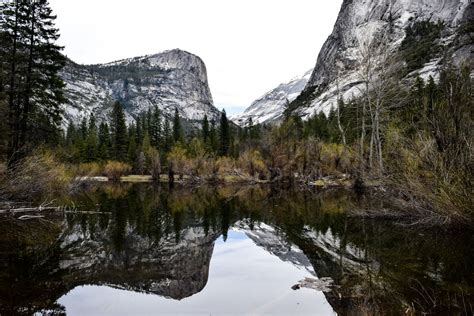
[
  {"x": 30, "y": 209},
  {"x": 27, "y": 217},
  {"x": 88, "y": 212}
]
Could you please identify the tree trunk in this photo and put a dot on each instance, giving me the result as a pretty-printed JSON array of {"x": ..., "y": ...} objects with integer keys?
[
  {"x": 28, "y": 88},
  {"x": 13, "y": 110}
]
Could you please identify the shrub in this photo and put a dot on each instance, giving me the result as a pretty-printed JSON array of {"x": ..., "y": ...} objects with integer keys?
[
  {"x": 88, "y": 169},
  {"x": 251, "y": 162},
  {"x": 154, "y": 164},
  {"x": 114, "y": 170},
  {"x": 39, "y": 175},
  {"x": 225, "y": 165},
  {"x": 177, "y": 160}
]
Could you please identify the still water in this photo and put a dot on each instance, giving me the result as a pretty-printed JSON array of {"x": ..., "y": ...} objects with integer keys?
[{"x": 145, "y": 250}]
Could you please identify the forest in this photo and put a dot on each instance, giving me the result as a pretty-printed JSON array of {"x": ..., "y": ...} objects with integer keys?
[{"x": 412, "y": 139}]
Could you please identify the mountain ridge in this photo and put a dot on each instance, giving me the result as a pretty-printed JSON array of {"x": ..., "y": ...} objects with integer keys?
[
  {"x": 359, "y": 21},
  {"x": 170, "y": 79},
  {"x": 270, "y": 106}
]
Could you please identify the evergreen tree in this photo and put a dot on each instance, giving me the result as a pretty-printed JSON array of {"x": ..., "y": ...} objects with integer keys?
[
  {"x": 167, "y": 136},
  {"x": 213, "y": 141},
  {"x": 71, "y": 134},
  {"x": 104, "y": 142},
  {"x": 146, "y": 144},
  {"x": 224, "y": 135},
  {"x": 178, "y": 135},
  {"x": 119, "y": 133},
  {"x": 33, "y": 60},
  {"x": 132, "y": 149},
  {"x": 205, "y": 130},
  {"x": 91, "y": 142},
  {"x": 83, "y": 129},
  {"x": 155, "y": 127},
  {"x": 139, "y": 135}
]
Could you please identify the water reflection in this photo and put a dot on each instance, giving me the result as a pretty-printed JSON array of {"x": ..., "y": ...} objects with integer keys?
[
  {"x": 243, "y": 279},
  {"x": 129, "y": 240}
]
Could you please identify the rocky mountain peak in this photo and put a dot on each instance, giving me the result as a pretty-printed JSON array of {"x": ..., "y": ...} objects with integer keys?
[
  {"x": 361, "y": 21},
  {"x": 169, "y": 80}
]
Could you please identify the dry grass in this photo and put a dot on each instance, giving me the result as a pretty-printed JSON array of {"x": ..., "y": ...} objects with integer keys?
[
  {"x": 433, "y": 185},
  {"x": 114, "y": 170},
  {"x": 38, "y": 175}
]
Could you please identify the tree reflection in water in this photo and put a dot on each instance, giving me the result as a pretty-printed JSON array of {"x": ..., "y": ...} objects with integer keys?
[{"x": 149, "y": 239}]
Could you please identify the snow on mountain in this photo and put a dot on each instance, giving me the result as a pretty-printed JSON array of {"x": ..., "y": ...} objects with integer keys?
[
  {"x": 273, "y": 240},
  {"x": 270, "y": 107},
  {"x": 360, "y": 21},
  {"x": 169, "y": 80}
]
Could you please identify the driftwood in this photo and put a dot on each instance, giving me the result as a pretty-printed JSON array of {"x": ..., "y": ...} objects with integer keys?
[
  {"x": 27, "y": 217},
  {"x": 27, "y": 213},
  {"x": 88, "y": 212},
  {"x": 30, "y": 209}
]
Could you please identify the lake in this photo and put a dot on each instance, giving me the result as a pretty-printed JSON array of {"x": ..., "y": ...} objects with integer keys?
[{"x": 139, "y": 249}]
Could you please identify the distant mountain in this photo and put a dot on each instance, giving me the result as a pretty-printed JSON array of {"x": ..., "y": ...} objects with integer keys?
[
  {"x": 169, "y": 80},
  {"x": 270, "y": 106},
  {"x": 359, "y": 21}
]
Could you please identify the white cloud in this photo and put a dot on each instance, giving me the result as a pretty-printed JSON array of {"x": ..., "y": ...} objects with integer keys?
[{"x": 249, "y": 46}]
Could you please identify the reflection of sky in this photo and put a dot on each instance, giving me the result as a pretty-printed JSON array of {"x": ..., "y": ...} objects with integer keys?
[{"x": 243, "y": 279}]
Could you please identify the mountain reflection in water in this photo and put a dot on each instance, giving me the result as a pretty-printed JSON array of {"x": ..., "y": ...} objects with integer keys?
[{"x": 141, "y": 249}]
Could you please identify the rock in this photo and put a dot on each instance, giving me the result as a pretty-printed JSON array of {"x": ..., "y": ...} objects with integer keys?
[
  {"x": 271, "y": 105},
  {"x": 169, "y": 80},
  {"x": 361, "y": 20}
]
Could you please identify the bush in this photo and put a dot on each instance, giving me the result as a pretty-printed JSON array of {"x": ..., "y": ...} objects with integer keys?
[
  {"x": 38, "y": 176},
  {"x": 89, "y": 169},
  {"x": 177, "y": 160},
  {"x": 114, "y": 170},
  {"x": 154, "y": 164},
  {"x": 225, "y": 165},
  {"x": 425, "y": 183},
  {"x": 252, "y": 163}
]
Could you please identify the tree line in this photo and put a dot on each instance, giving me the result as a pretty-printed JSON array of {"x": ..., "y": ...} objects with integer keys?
[{"x": 31, "y": 91}]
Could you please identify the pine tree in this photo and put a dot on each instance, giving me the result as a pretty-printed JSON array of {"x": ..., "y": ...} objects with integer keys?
[
  {"x": 132, "y": 149},
  {"x": 83, "y": 128},
  {"x": 70, "y": 134},
  {"x": 155, "y": 127},
  {"x": 104, "y": 141},
  {"x": 146, "y": 144},
  {"x": 178, "y": 136},
  {"x": 213, "y": 141},
  {"x": 205, "y": 130},
  {"x": 168, "y": 138},
  {"x": 139, "y": 135},
  {"x": 91, "y": 142},
  {"x": 33, "y": 60},
  {"x": 119, "y": 133},
  {"x": 224, "y": 135}
]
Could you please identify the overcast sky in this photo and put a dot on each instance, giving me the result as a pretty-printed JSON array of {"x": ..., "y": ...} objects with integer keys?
[{"x": 248, "y": 46}]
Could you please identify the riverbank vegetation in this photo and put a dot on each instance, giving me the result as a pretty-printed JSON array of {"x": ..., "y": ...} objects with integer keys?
[{"x": 412, "y": 137}]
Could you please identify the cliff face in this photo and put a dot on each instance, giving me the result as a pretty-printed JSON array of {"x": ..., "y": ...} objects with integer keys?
[
  {"x": 361, "y": 22},
  {"x": 165, "y": 267},
  {"x": 271, "y": 105},
  {"x": 169, "y": 80}
]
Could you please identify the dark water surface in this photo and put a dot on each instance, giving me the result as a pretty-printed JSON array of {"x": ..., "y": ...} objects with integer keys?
[{"x": 144, "y": 250}]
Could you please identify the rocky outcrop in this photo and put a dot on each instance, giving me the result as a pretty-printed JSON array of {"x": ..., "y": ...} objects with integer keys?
[
  {"x": 361, "y": 21},
  {"x": 169, "y": 80}
]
